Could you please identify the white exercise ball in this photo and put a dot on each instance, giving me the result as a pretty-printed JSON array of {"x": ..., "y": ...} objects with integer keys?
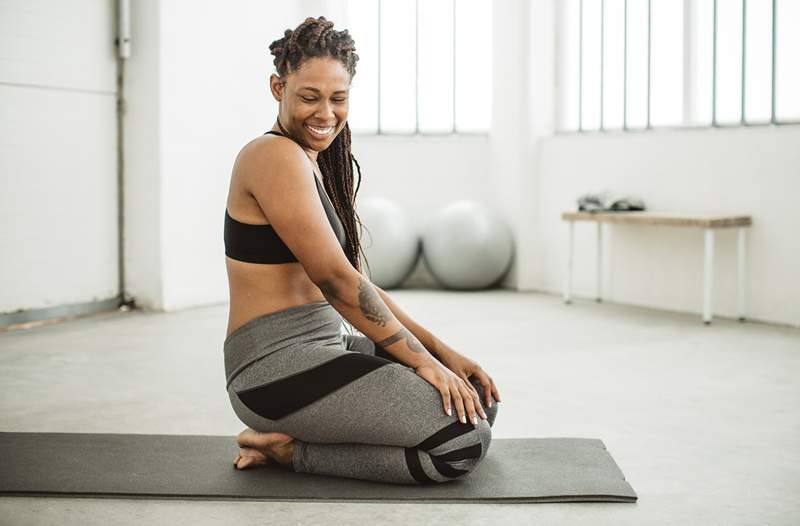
[
  {"x": 390, "y": 242},
  {"x": 467, "y": 246}
]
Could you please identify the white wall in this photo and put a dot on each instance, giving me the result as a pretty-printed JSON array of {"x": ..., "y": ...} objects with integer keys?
[
  {"x": 197, "y": 92},
  {"x": 206, "y": 76},
  {"x": 58, "y": 154},
  {"x": 753, "y": 171}
]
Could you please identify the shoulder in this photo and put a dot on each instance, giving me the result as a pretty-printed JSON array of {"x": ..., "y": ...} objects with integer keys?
[{"x": 270, "y": 153}]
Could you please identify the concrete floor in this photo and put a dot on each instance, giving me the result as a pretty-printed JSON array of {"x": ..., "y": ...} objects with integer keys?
[{"x": 703, "y": 420}]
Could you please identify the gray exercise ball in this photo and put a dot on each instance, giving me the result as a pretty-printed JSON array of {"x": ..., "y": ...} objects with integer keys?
[
  {"x": 467, "y": 246},
  {"x": 390, "y": 242}
]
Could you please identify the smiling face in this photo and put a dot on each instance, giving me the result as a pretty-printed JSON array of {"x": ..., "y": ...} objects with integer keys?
[{"x": 313, "y": 102}]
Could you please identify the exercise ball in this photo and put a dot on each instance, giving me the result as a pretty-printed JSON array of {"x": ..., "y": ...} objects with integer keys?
[
  {"x": 389, "y": 240},
  {"x": 467, "y": 246}
]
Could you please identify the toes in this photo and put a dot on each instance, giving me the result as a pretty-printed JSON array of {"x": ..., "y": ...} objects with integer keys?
[
  {"x": 250, "y": 457},
  {"x": 244, "y": 462}
]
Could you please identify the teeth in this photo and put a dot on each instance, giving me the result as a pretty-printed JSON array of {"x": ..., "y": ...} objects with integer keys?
[{"x": 320, "y": 131}]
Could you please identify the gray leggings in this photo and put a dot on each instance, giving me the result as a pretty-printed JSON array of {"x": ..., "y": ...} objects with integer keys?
[{"x": 353, "y": 410}]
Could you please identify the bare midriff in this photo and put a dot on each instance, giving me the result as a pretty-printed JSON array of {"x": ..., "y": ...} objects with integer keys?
[{"x": 258, "y": 289}]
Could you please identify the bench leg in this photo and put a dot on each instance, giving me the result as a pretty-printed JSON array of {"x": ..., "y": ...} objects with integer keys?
[
  {"x": 568, "y": 274},
  {"x": 708, "y": 274},
  {"x": 599, "y": 262},
  {"x": 740, "y": 249}
]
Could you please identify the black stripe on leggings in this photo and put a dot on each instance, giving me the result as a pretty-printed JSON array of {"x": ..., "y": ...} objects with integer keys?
[
  {"x": 415, "y": 467},
  {"x": 448, "y": 432},
  {"x": 277, "y": 399},
  {"x": 462, "y": 454},
  {"x": 446, "y": 469}
]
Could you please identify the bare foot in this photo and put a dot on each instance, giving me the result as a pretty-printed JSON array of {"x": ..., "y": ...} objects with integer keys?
[{"x": 262, "y": 448}]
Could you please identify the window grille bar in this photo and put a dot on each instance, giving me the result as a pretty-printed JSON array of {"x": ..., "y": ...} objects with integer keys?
[
  {"x": 454, "y": 66},
  {"x": 772, "y": 117},
  {"x": 689, "y": 38},
  {"x": 416, "y": 66},
  {"x": 744, "y": 57},
  {"x": 649, "y": 53},
  {"x": 602, "y": 56},
  {"x": 714, "y": 68},
  {"x": 625, "y": 70},
  {"x": 580, "y": 66},
  {"x": 379, "y": 67}
]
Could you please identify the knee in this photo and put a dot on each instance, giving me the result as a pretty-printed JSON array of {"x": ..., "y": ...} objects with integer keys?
[
  {"x": 483, "y": 430},
  {"x": 460, "y": 456}
]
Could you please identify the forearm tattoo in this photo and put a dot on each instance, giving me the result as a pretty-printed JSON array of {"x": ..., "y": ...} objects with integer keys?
[
  {"x": 374, "y": 309},
  {"x": 403, "y": 334},
  {"x": 372, "y": 306}
]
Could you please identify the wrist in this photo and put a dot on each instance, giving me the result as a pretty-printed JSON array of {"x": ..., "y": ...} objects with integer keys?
[{"x": 441, "y": 350}]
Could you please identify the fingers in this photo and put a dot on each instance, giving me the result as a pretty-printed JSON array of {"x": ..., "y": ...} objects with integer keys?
[
  {"x": 466, "y": 400},
  {"x": 476, "y": 399},
  {"x": 489, "y": 387},
  {"x": 446, "y": 399},
  {"x": 486, "y": 383},
  {"x": 495, "y": 392}
]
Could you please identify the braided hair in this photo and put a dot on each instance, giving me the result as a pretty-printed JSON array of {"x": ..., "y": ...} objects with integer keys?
[{"x": 315, "y": 37}]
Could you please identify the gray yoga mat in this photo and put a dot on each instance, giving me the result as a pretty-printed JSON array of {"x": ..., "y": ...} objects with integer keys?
[{"x": 201, "y": 467}]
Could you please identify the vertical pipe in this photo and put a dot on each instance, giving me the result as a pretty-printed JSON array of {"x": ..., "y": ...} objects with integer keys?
[{"x": 123, "y": 42}]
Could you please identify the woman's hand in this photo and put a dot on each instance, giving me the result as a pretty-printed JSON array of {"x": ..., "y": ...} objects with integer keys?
[
  {"x": 463, "y": 367},
  {"x": 452, "y": 388}
]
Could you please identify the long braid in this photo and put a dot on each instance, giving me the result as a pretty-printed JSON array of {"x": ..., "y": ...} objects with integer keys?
[{"x": 315, "y": 37}]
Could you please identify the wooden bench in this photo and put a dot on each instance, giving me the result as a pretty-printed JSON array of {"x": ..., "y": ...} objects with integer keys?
[{"x": 708, "y": 222}]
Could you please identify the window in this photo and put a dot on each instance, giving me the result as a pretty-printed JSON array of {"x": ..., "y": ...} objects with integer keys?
[
  {"x": 424, "y": 66},
  {"x": 639, "y": 64}
]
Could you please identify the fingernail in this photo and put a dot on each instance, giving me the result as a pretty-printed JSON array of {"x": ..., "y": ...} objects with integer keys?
[
  {"x": 474, "y": 420},
  {"x": 448, "y": 412},
  {"x": 463, "y": 419},
  {"x": 490, "y": 403}
]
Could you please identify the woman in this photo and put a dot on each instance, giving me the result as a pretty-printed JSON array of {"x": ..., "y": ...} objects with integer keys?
[{"x": 316, "y": 400}]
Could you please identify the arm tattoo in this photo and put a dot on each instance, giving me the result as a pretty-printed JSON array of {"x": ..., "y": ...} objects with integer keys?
[
  {"x": 403, "y": 334},
  {"x": 396, "y": 337},
  {"x": 372, "y": 307}
]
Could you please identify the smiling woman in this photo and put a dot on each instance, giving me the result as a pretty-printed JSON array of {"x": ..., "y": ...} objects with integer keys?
[{"x": 375, "y": 406}]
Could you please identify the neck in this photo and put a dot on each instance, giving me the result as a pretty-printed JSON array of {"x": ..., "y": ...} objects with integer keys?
[{"x": 310, "y": 152}]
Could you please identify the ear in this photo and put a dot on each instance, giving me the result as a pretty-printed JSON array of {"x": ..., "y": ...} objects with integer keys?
[{"x": 276, "y": 86}]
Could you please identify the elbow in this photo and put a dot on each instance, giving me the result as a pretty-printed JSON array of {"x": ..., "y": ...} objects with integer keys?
[{"x": 333, "y": 282}]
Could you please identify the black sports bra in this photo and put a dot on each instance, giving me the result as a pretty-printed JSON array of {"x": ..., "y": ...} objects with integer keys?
[{"x": 261, "y": 244}]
